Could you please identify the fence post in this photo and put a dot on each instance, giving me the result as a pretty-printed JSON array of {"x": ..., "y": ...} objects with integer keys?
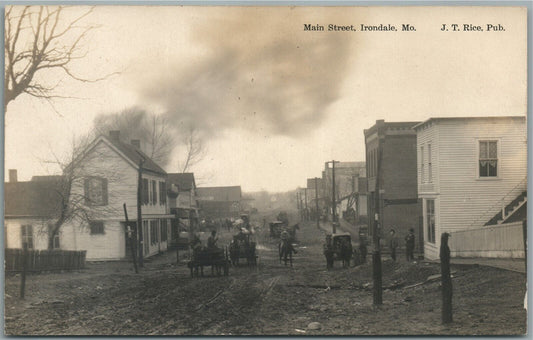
[
  {"x": 446, "y": 279},
  {"x": 24, "y": 268}
]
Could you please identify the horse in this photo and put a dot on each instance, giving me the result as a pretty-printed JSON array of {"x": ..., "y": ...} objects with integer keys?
[
  {"x": 285, "y": 251},
  {"x": 345, "y": 253},
  {"x": 292, "y": 231}
]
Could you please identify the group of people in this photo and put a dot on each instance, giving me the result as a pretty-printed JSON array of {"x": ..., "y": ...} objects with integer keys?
[
  {"x": 409, "y": 244},
  {"x": 196, "y": 243}
]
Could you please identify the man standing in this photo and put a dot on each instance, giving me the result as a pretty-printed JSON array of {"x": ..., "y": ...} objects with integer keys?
[
  {"x": 410, "y": 245},
  {"x": 393, "y": 244},
  {"x": 212, "y": 241},
  {"x": 328, "y": 252}
]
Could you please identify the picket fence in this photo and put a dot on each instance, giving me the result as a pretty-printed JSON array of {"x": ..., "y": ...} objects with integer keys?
[{"x": 44, "y": 260}]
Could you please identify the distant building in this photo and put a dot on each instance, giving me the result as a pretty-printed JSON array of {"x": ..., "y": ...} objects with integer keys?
[
  {"x": 220, "y": 202},
  {"x": 469, "y": 170},
  {"x": 391, "y": 161},
  {"x": 350, "y": 190}
]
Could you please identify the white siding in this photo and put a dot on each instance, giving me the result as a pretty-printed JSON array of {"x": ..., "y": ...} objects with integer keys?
[
  {"x": 14, "y": 232},
  {"x": 462, "y": 199},
  {"x": 466, "y": 200},
  {"x": 122, "y": 180}
]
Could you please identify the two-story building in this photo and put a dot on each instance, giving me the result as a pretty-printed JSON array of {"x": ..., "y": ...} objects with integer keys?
[
  {"x": 472, "y": 173},
  {"x": 391, "y": 160},
  {"x": 182, "y": 202},
  {"x": 103, "y": 177}
]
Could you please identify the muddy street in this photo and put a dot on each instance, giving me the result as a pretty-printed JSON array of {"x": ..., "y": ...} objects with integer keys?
[{"x": 271, "y": 299}]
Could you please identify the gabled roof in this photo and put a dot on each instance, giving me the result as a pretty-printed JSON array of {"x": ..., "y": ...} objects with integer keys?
[
  {"x": 135, "y": 155},
  {"x": 229, "y": 194},
  {"x": 184, "y": 181},
  {"x": 33, "y": 199}
]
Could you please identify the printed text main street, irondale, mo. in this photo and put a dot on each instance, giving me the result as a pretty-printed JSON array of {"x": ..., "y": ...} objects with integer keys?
[{"x": 449, "y": 27}]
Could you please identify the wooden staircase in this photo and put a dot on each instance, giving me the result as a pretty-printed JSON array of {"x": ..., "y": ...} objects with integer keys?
[{"x": 509, "y": 210}]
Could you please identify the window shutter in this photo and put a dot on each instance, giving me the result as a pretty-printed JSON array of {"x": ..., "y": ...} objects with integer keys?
[
  {"x": 145, "y": 191},
  {"x": 104, "y": 191},
  {"x": 154, "y": 189},
  {"x": 86, "y": 190}
]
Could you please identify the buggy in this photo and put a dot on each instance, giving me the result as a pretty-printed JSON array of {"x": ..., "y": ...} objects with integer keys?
[
  {"x": 242, "y": 247},
  {"x": 341, "y": 249},
  {"x": 276, "y": 228},
  {"x": 217, "y": 259}
]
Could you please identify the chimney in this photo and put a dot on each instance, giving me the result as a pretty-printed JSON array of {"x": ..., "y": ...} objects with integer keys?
[
  {"x": 136, "y": 143},
  {"x": 114, "y": 135},
  {"x": 12, "y": 175}
]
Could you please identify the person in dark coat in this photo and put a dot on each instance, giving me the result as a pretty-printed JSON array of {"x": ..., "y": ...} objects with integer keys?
[
  {"x": 410, "y": 245},
  {"x": 393, "y": 244},
  {"x": 212, "y": 241},
  {"x": 328, "y": 252},
  {"x": 362, "y": 249}
]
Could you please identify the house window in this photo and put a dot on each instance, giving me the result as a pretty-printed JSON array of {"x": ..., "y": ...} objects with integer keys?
[
  {"x": 154, "y": 192},
  {"x": 153, "y": 232},
  {"x": 430, "y": 175},
  {"x": 145, "y": 195},
  {"x": 422, "y": 170},
  {"x": 430, "y": 220},
  {"x": 95, "y": 191},
  {"x": 97, "y": 227},
  {"x": 164, "y": 230},
  {"x": 27, "y": 236},
  {"x": 55, "y": 243},
  {"x": 488, "y": 158},
  {"x": 162, "y": 193}
]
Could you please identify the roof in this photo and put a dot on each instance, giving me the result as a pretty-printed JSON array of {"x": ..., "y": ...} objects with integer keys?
[
  {"x": 382, "y": 126},
  {"x": 231, "y": 193},
  {"x": 436, "y": 119},
  {"x": 135, "y": 155},
  {"x": 33, "y": 198},
  {"x": 46, "y": 178},
  {"x": 184, "y": 181}
]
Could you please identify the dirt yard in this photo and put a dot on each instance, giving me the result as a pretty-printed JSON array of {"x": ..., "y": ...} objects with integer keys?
[{"x": 110, "y": 299}]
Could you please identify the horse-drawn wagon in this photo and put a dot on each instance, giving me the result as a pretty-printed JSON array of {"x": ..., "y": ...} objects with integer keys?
[
  {"x": 217, "y": 259},
  {"x": 338, "y": 247},
  {"x": 243, "y": 247}
]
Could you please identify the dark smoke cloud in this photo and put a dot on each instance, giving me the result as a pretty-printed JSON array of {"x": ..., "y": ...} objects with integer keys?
[{"x": 260, "y": 72}]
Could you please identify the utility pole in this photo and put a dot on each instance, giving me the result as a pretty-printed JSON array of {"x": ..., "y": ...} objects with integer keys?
[
  {"x": 334, "y": 199},
  {"x": 298, "y": 202},
  {"x": 376, "y": 254},
  {"x": 316, "y": 198},
  {"x": 139, "y": 211},
  {"x": 306, "y": 211}
]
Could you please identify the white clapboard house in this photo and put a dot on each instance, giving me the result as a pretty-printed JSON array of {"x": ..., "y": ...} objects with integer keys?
[
  {"x": 472, "y": 178},
  {"x": 106, "y": 177}
]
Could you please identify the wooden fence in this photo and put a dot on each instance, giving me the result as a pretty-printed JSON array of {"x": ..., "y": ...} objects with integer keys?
[
  {"x": 44, "y": 260},
  {"x": 500, "y": 240}
]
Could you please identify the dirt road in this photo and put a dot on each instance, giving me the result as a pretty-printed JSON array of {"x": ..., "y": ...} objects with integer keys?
[{"x": 110, "y": 299}]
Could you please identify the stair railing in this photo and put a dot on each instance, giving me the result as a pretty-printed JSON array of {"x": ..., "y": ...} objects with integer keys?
[{"x": 502, "y": 202}]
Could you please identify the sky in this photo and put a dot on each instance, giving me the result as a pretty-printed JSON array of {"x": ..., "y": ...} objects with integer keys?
[{"x": 274, "y": 102}]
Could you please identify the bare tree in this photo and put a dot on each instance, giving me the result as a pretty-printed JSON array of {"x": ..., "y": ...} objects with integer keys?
[
  {"x": 73, "y": 203},
  {"x": 38, "y": 39},
  {"x": 152, "y": 130},
  {"x": 194, "y": 150}
]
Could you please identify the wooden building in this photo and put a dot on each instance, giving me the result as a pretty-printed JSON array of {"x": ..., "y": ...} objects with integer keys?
[{"x": 472, "y": 173}]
